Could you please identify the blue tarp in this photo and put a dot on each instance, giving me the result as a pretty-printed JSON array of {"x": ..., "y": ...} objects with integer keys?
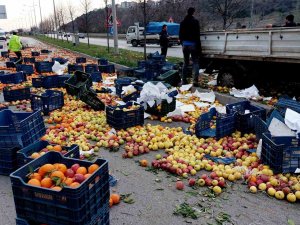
[{"x": 155, "y": 28}]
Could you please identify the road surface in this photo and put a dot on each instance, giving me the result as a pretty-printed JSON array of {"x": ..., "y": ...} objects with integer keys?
[{"x": 174, "y": 51}]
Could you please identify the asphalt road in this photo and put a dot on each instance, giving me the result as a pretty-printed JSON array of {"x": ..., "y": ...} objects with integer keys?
[{"x": 174, "y": 51}]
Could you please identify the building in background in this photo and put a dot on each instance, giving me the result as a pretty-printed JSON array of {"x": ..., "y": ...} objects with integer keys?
[{"x": 126, "y": 4}]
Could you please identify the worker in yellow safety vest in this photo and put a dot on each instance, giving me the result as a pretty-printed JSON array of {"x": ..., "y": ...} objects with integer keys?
[{"x": 15, "y": 46}]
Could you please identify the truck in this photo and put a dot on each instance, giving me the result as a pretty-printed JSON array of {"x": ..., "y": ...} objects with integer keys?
[
  {"x": 135, "y": 34},
  {"x": 245, "y": 57}
]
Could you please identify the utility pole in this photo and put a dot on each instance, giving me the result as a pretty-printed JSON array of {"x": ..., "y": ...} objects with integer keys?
[
  {"x": 55, "y": 19},
  {"x": 34, "y": 13},
  {"x": 115, "y": 27},
  {"x": 41, "y": 15},
  {"x": 107, "y": 28},
  {"x": 145, "y": 48},
  {"x": 251, "y": 13}
]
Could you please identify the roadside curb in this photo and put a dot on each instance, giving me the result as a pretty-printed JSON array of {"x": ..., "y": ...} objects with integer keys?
[{"x": 117, "y": 66}]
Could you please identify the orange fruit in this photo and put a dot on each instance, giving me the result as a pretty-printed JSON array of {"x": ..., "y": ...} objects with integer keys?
[
  {"x": 115, "y": 198},
  {"x": 47, "y": 168},
  {"x": 81, "y": 170},
  {"x": 35, "y": 176},
  {"x": 92, "y": 168},
  {"x": 35, "y": 155},
  {"x": 58, "y": 174},
  {"x": 56, "y": 188},
  {"x": 46, "y": 182},
  {"x": 34, "y": 182},
  {"x": 57, "y": 148},
  {"x": 68, "y": 181},
  {"x": 44, "y": 138},
  {"x": 60, "y": 167},
  {"x": 111, "y": 202},
  {"x": 86, "y": 176},
  {"x": 74, "y": 185}
]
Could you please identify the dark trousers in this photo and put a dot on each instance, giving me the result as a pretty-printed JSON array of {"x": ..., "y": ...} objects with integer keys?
[
  {"x": 164, "y": 50},
  {"x": 190, "y": 51},
  {"x": 19, "y": 56}
]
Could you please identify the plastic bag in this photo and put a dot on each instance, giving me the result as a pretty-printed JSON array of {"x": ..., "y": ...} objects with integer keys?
[{"x": 58, "y": 68}]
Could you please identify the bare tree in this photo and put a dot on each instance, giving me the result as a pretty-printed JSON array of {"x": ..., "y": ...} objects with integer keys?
[
  {"x": 86, "y": 5},
  {"x": 228, "y": 9},
  {"x": 63, "y": 18},
  {"x": 72, "y": 12}
]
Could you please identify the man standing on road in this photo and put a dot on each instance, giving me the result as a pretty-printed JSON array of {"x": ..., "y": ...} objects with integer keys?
[
  {"x": 164, "y": 40},
  {"x": 189, "y": 36},
  {"x": 15, "y": 46}
]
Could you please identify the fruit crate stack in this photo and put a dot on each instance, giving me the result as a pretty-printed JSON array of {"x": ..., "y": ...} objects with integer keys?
[
  {"x": 213, "y": 124},
  {"x": 12, "y": 78},
  {"x": 87, "y": 202},
  {"x": 245, "y": 112},
  {"x": 20, "y": 128},
  {"x": 39, "y": 148},
  {"x": 21, "y": 93},
  {"x": 48, "y": 101},
  {"x": 129, "y": 115}
]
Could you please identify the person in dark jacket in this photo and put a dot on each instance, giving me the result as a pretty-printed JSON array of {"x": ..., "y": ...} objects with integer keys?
[
  {"x": 164, "y": 40},
  {"x": 289, "y": 21},
  {"x": 189, "y": 36}
]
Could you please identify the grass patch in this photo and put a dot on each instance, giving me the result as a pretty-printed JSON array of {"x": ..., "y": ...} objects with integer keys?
[{"x": 126, "y": 57}]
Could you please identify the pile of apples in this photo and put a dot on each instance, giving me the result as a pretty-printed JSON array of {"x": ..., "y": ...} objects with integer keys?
[{"x": 280, "y": 186}]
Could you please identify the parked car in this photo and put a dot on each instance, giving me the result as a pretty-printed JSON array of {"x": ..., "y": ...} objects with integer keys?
[
  {"x": 2, "y": 36},
  {"x": 81, "y": 35},
  {"x": 67, "y": 35}
]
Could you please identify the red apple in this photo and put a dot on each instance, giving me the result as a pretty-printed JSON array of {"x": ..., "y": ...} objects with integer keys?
[
  {"x": 69, "y": 173},
  {"x": 79, "y": 178},
  {"x": 192, "y": 182},
  {"x": 179, "y": 185},
  {"x": 74, "y": 167}
]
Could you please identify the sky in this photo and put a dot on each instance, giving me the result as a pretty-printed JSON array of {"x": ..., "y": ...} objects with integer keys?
[{"x": 20, "y": 13}]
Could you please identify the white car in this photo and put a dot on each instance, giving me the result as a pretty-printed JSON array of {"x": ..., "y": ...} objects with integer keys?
[{"x": 2, "y": 36}]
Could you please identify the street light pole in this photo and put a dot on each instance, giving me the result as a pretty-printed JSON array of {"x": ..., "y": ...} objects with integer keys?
[
  {"x": 145, "y": 48},
  {"x": 114, "y": 13},
  {"x": 107, "y": 28},
  {"x": 55, "y": 19},
  {"x": 41, "y": 14},
  {"x": 34, "y": 12}
]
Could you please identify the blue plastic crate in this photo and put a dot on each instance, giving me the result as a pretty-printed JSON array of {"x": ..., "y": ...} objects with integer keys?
[
  {"x": 86, "y": 204},
  {"x": 96, "y": 76},
  {"x": 78, "y": 83},
  {"x": 126, "y": 72},
  {"x": 10, "y": 64},
  {"x": 35, "y": 53},
  {"x": 26, "y": 69},
  {"x": 80, "y": 60},
  {"x": 280, "y": 153},
  {"x": 120, "y": 119},
  {"x": 20, "y": 129},
  {"x": 260, "y": 127},
  {"x": 13, "y": 59},
  {"x": 29, "y": 60},
  {"x": 225, "y": 124},
  {"x": 141, "y": 64},
  {"x": 121, "y": 82},
  {"x": 20, "y": 221},
  {"x": 156, "y": 56},
  {"x": 14, "y": 95},
  {"x": 131, "y": 97},
  {"x": 45, "y": 51},
  {"x": 72, "y": 68},
  {"x": 284, "y": 103},
  {"x": 164, "y": 108},
  {"x": 48, "y": 101},
  {"x": 4, "y": 107},
  {"x": 12, "y": 78},
  {"x": 245, "y": 122},
  {"x": 91, "y": 68},
  {"x": 60, "y": 60},
  {"x": 62, "y": 78},
  {"x": 110, "y": 68},
  {"x": 43, "y": 67},
  {"x": 7, "y": 167},
  {"x": 23, "y": 156},
  {"x": 4, "y": 54},
  {"x": 46, "y": 81},
  {"x": 102, "y": 61}
]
